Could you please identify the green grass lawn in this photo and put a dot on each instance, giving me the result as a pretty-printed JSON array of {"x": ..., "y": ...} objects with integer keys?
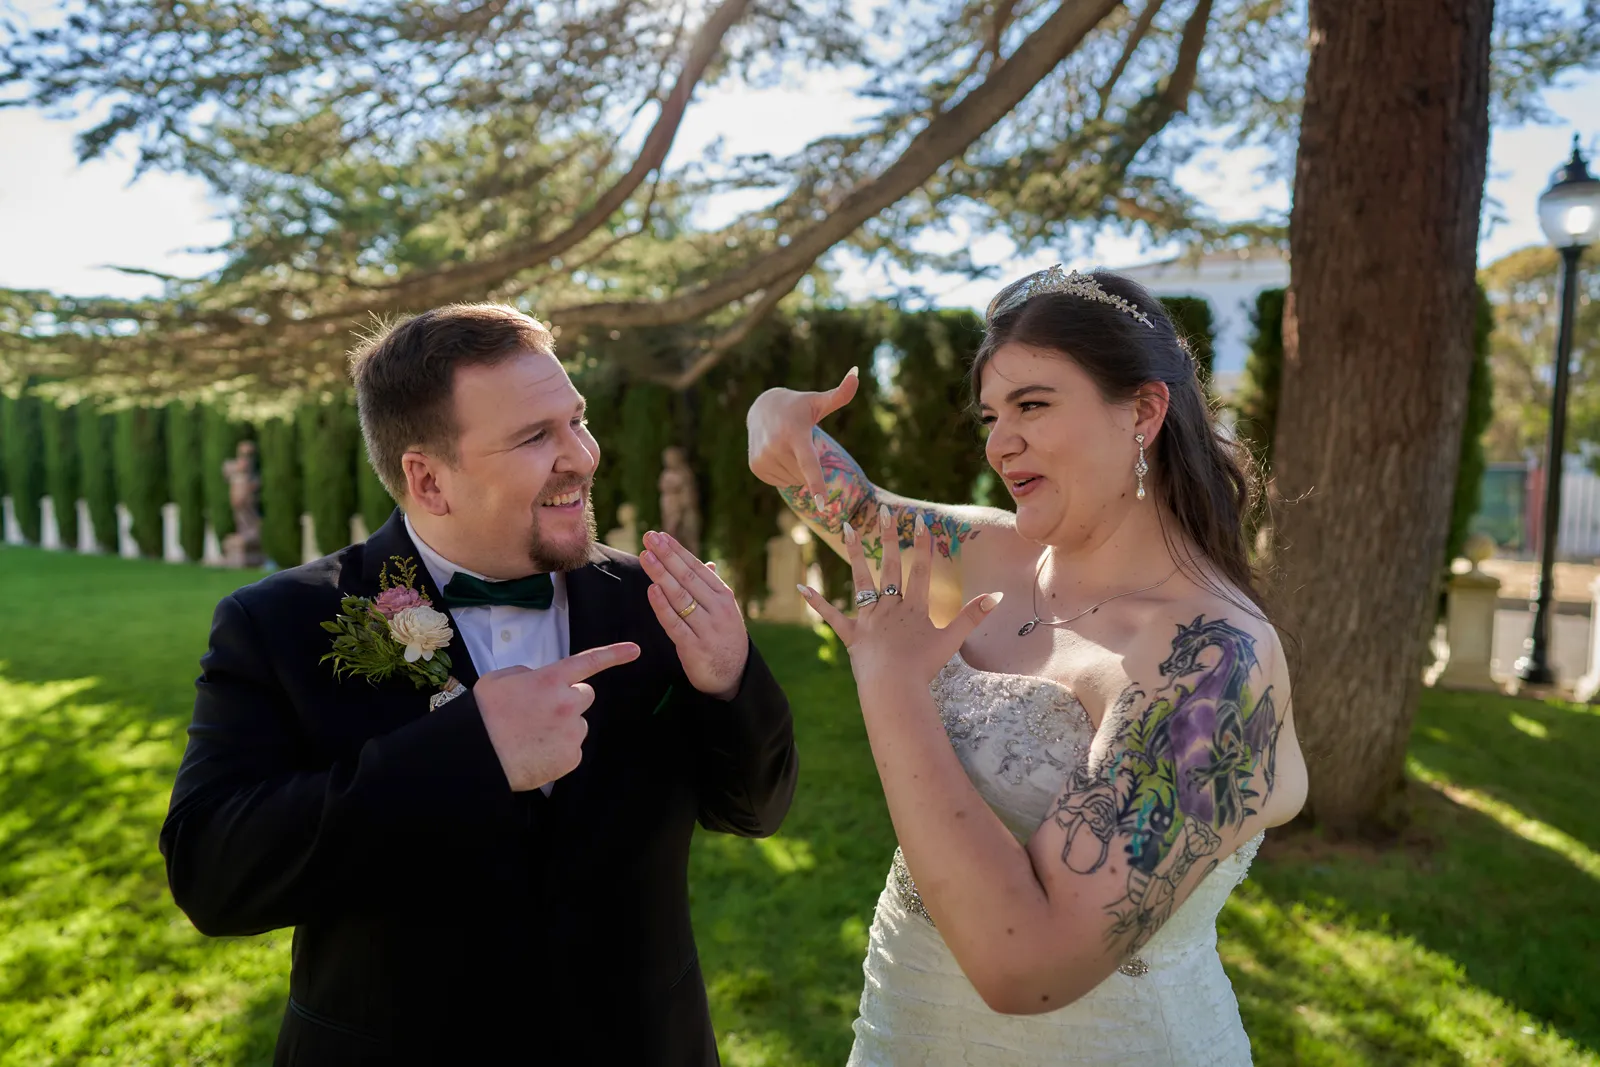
[{"x": 1478, "y": 942}]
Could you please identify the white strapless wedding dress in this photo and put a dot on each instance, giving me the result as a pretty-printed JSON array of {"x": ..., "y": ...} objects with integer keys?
[{"x": 1171, "y": 1006}]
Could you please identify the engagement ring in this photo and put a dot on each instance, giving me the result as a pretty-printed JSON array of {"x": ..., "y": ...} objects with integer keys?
[{"x": 865, "y": 597}]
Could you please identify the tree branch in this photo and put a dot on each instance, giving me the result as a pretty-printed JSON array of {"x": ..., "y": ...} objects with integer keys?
[
  {"x": 943, "y": 139},
  {"x": 1137, "y": 35},
  {"x": 436, "y": 286},
  {"x": 719, "y": 346}
]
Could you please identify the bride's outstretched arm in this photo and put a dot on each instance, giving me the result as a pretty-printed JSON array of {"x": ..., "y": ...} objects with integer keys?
[
  {"x": 1177, "y": 778},
  {"x": 827, "y": 488}
]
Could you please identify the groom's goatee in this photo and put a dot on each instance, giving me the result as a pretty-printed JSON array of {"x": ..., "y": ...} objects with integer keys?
[{"x": 548, "y": 557}]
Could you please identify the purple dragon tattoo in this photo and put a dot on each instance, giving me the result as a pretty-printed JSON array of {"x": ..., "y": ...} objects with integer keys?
[{"x": 1178, "y": 774}]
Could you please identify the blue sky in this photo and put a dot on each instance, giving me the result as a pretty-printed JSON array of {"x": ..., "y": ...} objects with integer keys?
[{"x": 64, "y": 224}]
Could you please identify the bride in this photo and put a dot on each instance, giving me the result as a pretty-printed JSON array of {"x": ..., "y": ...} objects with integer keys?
[{"x": 1079, "y": 712}]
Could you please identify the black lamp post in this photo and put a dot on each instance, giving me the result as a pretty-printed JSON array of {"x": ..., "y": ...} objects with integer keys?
[{"x": 1569, "y": 212}]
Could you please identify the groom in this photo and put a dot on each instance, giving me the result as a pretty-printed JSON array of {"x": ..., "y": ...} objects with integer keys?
[{"x": 492, "y": 870}]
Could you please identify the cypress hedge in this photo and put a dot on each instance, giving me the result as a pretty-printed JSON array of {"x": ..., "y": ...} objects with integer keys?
[
  {"x": 61, "y": 467},
  {"x": 1257, "y": 404},
  {"x": 139, "y": 451},
  {"x": 278, "y": 456},
  {"x": 372, "y": 499},
  {"x": 24, "y": 458},
  {"x": 185, "y": 474},
  {"x": 1480, "y": 410},
  {"x": 97, "y": 477},
  {"x": 1192, "y": 317},
  {"x": 329, "y": 444}
]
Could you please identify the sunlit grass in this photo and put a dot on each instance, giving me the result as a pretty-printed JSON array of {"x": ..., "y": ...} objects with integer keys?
[{"x": 1475, "y": 943}]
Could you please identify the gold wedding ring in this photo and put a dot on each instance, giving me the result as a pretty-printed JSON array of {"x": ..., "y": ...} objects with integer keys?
[{"x": 686, "y": 612}]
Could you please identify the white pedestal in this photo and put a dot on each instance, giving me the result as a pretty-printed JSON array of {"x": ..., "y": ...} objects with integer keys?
[
  {"x": 308, "y": 539},
  {"x": 49, "y": 528},
  {"x": 1587, "y": 688},
  {"x": 358, "y": 529},
  {"x": 786, "y": 567},
  {"x": 211, "y": 548},
  {"x": 1469, "y": 633},
  {"x": 13, "y": 529},
  {"x": 127, "y": 547},
  {"x": 625, "y": 537},
  {"x": 171, "y": 541},
  {"x": 87, "y": 545}
]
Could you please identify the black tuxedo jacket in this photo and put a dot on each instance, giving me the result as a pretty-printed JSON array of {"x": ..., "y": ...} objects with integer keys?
[{"x": 439, "y": 917}]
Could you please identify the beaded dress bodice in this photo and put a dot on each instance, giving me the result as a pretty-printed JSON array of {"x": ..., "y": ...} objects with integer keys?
[{"x": 1018, "y": 738}]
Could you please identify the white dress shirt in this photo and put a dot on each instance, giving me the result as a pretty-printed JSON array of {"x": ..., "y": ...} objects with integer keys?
[{"x": 500, "y": 635}]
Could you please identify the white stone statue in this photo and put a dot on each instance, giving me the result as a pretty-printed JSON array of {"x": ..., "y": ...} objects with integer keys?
[
  {"x": 242, "y": 548},
  {"x": 680, "y": 499}
]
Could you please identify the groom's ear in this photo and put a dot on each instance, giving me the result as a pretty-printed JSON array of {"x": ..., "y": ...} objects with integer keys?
[{"x": 422, "y": 483}]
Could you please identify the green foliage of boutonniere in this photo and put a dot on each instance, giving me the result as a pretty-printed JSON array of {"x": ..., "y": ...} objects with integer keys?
[{"x": 398, "y": 631}]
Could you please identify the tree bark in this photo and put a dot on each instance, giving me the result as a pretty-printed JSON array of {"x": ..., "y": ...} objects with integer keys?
[{"x": 1378, "y": 351}]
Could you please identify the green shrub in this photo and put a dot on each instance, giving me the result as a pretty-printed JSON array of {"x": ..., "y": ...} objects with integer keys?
[
  {"x": 24, "y": 459},
  {"x": 97, "y": 475},
  {"x": 372, "y": 499},
  {"x": 61, "y": 467},
  {"x": 329, "y": 445},
  {"x": 278, "y": 453},
  {"x": 1257, "y": 404},
  {"x": 648, "y": 424},
  {"x": 1480, "y": 411},
  {"x": 141, "y": 473},
  {"x": 185, "y": 478},
  {"x": 1196, "y": 325}
]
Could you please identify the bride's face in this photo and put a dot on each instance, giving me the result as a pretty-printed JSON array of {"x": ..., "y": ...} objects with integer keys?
[{"x": 1065, "y": 454}]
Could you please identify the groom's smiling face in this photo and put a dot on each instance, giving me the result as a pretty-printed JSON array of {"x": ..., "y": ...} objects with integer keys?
[{"x": 518, "y": 494}]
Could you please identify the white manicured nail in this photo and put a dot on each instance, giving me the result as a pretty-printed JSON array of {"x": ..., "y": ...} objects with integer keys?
[{"x": 989, "y": 602}]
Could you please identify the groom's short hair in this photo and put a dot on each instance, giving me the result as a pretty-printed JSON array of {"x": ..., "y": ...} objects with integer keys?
[{"x": 404, "y": 376}]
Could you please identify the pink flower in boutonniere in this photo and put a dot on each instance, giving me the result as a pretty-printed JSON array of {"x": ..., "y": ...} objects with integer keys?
[
  {"x": 396, "y": 632},
  {"x": 394, "y": 600}
]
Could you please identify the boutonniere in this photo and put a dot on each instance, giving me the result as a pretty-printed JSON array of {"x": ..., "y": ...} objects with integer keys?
[{"x": 397, "y": 631}]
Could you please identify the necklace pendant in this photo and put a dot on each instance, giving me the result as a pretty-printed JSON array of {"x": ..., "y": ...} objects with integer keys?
[{"x": 1028, "y": 627}]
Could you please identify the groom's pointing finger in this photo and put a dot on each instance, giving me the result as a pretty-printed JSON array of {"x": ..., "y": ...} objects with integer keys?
[{"x": 592, "y": 661}]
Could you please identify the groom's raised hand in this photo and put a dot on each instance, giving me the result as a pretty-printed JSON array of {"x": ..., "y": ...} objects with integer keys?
[
  {"x": 699, "y": 613},
  {"x": 535, "y": 717}
]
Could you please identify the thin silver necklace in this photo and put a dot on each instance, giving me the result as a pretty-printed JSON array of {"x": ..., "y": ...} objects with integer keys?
[{"x": 1035, "y": 622}]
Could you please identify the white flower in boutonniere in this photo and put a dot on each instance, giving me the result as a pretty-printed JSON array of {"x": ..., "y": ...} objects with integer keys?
[
  {"x": 422, "y": 630},
  {"x": 396, "y": 632}
]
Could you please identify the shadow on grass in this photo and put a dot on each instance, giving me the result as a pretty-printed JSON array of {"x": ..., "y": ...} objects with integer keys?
[
  {"x": 782, "y": 923},
  {"x": 1392, "y": 957},
  {"x": 96, "y": 963},
  {"x": 1539, "y": 757}
]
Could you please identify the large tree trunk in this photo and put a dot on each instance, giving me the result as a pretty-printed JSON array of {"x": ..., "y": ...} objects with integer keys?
[{"x": 1377, "y": 356}]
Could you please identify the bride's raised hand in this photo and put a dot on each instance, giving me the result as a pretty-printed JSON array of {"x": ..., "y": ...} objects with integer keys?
[
  {"x": 780, "y": 424},
  {"x": 891, "y": 638}
]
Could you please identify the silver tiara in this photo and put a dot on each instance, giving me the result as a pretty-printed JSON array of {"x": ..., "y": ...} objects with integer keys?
[{"x": 1057, "y": 280}]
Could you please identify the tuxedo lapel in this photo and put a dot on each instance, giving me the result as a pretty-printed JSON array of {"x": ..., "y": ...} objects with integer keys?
[
  {"x": 391, "y": 540},
  {"x": 594, "y": 618},
  {"x": 594, "y": 602}
]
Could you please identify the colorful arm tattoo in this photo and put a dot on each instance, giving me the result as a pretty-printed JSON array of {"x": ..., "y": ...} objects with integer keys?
[
  {"x": 1176, "y": 776},
  {"x": 851, "y": 496}
]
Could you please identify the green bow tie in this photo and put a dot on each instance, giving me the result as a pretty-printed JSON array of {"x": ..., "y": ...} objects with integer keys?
[{"x": 465, "y": 591}]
